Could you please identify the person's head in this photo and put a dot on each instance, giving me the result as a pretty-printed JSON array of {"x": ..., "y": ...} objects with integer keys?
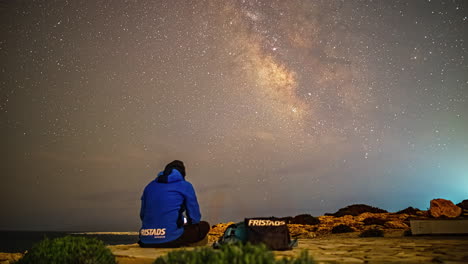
[{"x": 176, "y": 164}]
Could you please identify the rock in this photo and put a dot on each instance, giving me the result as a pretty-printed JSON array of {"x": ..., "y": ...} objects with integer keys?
[
  {"x": 444, "y": 208},
  {"x": 396, "y": 225},
  {"x": 301, "y": 231},
  {"x": 463, "y": 205},
  {"x": 305, "y": 219},
  {"x": 7, "y": 258},
  {"x": 423, "y": 213},
  {"x": 217, "y": 231},
  {"x": 364, "y": 216},
  {"x": 357, "y": 209}
]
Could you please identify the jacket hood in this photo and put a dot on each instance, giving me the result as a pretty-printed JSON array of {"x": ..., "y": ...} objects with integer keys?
[{"x": 174, "y": 176}]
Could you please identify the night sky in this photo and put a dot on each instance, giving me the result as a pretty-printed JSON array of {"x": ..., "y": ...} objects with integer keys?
[{"x": 276, "y": 107}]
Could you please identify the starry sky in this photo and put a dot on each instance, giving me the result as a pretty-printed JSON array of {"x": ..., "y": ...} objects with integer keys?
[{"x": 276, "y": 107}]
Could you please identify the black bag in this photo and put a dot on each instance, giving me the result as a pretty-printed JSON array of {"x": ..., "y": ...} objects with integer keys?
[{"x": 271, "y": 231}]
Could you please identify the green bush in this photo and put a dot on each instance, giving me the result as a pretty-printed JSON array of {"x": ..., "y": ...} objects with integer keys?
[
  {"x": 374, "y": 232},
  {"x": 227, "y": 254},
  {"x": 69, "y": 250}
]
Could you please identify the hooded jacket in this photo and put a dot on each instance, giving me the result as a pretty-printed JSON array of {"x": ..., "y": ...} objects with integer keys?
[{"x": 163, "y": 203}]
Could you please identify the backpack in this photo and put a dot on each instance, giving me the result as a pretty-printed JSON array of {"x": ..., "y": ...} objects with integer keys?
[
  {"x": 235, "y": 233},
  {"x": 271, "y": 231}
]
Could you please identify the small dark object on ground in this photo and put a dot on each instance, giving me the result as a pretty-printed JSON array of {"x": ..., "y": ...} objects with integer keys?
[
  {"x": 410, "y": 210},
  {"x": 342, "y": 229},
  {"x": 305, "y": 219},
  {"x": 374, "y": 221},
  {"x": 374, "y": 232},
  {"x": 356, "y": 209}
]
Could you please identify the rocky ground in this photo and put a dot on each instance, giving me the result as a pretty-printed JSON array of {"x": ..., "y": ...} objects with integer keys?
[
  {"x": 347, "y": 248},
  {"x": 324, "y": 246},
  {"x": 361, "y": 222},
  {"x": 318, "y": 235}
]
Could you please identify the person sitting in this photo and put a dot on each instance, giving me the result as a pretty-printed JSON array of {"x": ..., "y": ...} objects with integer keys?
[{"x": 164, "y": 202}]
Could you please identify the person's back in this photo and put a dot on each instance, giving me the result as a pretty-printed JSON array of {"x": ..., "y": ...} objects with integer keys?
[{"x": 163, "y": 204}]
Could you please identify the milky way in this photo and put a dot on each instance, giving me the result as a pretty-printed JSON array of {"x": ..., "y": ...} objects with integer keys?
[{"x": 276, "y": 107}]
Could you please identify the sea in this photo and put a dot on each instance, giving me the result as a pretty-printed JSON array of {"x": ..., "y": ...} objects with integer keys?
[{"x": 20, "y": 241}]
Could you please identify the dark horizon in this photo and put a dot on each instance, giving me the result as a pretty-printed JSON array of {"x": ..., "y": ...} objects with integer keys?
[
  {"x": 276, "y": 108},
  {"x": 81, "y": 229}
]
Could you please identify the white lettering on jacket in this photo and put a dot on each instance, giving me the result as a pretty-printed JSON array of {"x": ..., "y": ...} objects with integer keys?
[
  {"x": 254, "y": 222},
  {"x": 156, "y": 232}
]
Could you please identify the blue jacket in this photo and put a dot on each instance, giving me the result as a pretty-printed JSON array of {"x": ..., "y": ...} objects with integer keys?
[{"x": 162, "y": 208}]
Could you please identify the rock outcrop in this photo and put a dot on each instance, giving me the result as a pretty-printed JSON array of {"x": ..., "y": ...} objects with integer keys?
[
  {"x": 359, "y": 223},
  {"x": 444, "y": 208},
  {"x": 356, "y": 209}
]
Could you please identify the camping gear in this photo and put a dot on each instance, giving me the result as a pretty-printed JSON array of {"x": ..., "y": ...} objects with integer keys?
[{"x": 271, "y": 231}]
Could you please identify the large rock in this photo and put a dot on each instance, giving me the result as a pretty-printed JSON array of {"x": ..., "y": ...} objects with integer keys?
[{"x": 444, "y": 208}]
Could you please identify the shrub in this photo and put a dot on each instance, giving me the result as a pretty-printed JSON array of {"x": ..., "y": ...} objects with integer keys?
[
  {"x": 69, "y": 250},
  {"x": 374, "y": 221},
  {"x": 463, "y": 204},
  {"x": 234, "y": 253},
  {"x": 305, "y": 219},
  {"x": 373, "y": 232},
  {"x": 342, "y": 229}
]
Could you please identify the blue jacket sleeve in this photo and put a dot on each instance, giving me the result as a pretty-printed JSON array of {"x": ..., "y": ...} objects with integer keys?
[
  {"x": 142, "y": 209},
  {"x": 191, "y": 205}
]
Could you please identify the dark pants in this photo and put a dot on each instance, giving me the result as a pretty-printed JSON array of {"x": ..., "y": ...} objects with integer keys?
[{"x": 192, "y": 233}]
